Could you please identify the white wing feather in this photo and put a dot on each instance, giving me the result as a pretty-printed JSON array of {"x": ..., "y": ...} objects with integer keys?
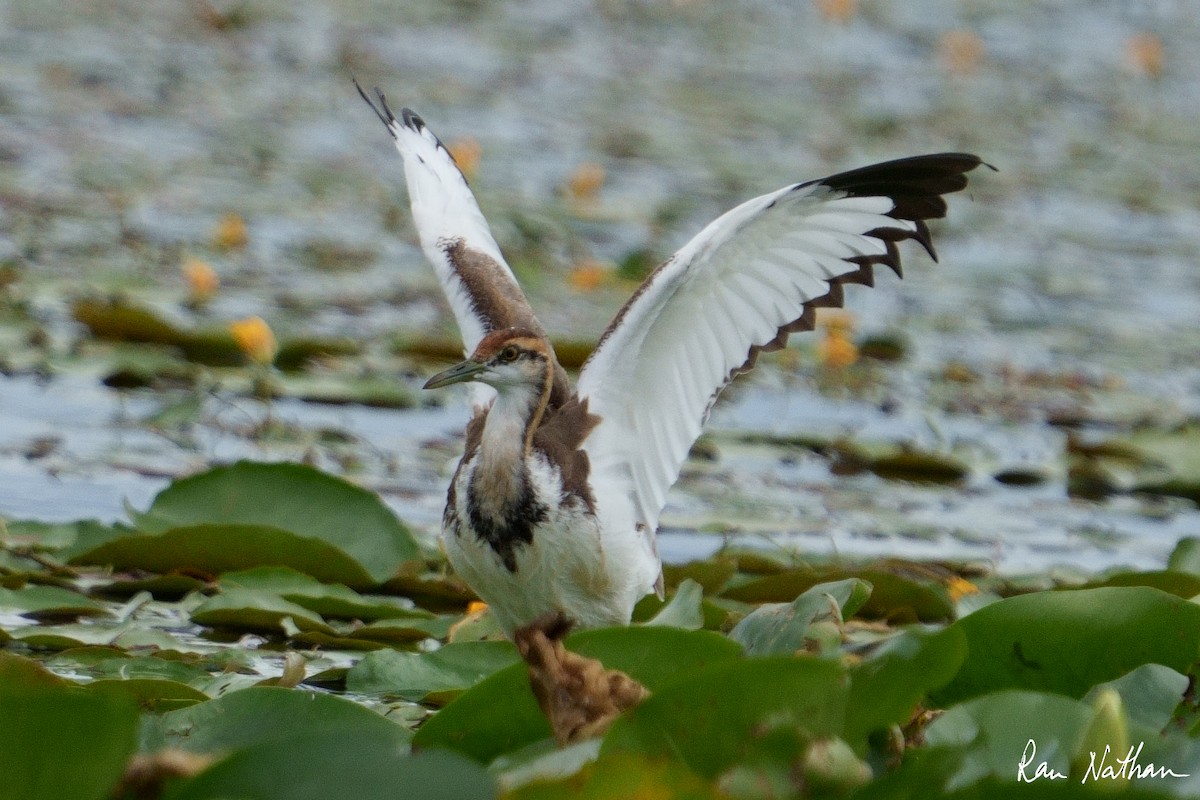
[
  {"x": 653, "y": 378},
  {"x": 444, "y": 210}
]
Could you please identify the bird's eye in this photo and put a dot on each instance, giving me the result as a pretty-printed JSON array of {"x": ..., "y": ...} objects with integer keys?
[{"x": 508, "y": 354}]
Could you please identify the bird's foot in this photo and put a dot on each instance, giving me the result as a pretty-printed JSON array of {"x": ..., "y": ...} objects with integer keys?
[{"x": 578, "y": 695}]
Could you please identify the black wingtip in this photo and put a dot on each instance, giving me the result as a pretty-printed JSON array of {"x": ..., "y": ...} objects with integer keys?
[
  {"x": 387, "y": 119},
  {"x": 412, "y": 119}
]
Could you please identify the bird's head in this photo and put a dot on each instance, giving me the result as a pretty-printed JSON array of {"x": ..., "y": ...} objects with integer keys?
[{"x": 507, "y": 358}]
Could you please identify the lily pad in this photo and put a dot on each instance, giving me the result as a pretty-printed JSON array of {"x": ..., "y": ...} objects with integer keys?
[
  {"x": 260, "y": 715},
  {"x": 59, "y": 742},
  {"x": 246, "y": 609},
  {"x": 329, "y": 600},
  {"x": 1067, "y": 642},
  {"x": 893, "y": 597},
  {"x": 320, "y": 763},
  {"x": 886, "y": 688},
  {"x": 290, "y": 497},
  {"x": 709, "y": 718},
  {"x": 776, "y": 628},
  {"x": 150, "y": 694},
  {"x": 223, "y": 547},
  {"x": 684, "y": 609},
  {"x": 499, "y": 714},
  {"x": 50, "y": 603},
  {"x": 413, "y": 676}
]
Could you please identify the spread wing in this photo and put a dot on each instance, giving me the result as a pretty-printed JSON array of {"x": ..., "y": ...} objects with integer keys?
[
  {"x": 481, "y": 289},
  {"x": 750, "y": 278}
]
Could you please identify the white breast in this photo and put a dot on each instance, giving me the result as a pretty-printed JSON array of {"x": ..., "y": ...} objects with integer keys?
[{"x": 593, "y": 574}]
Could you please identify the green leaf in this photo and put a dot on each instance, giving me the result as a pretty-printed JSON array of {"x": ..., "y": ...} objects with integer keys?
[
  {"x": 776, "y": 628},
  {"x": 1180, "y": 584},
  {"x": 1151, "y": 693},
  {"x": 1186, "y": 556},
  {"x": 709, "y": 718},
  {"x": 245, "y": 609},
  {"x": 995, "y": 732},
  {"x": 683, "y": 610},
  {"x": 151, "y": 694},
  {"x": 221, "y": 547},
  {"x": 893, "y": 597},
  {"x": 328, "y": 600},
  {"x": 1068, "y": 641},
  {"x": 289, "y": 497},
  {"x": 261, "y": 715},
  {"x": 454, "y": 667},
  {"x": 321, "y": 764},
  {"x": 886, "y": 688},
  {"x": 499, "y": 715},
  {"x": 621, "y": 776},
  {"x": 62, "y": 742},
  {"x": 50, "y": 603}
]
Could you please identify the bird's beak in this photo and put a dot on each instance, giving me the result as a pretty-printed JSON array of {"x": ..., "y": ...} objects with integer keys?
[{"x": 459, "y": 373}]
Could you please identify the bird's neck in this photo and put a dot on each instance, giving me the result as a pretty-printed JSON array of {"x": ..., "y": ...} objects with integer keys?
[{"x": 507, "y": 437}]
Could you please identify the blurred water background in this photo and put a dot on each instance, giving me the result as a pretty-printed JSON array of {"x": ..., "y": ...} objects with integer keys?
[{"x": 136, "y": 137}]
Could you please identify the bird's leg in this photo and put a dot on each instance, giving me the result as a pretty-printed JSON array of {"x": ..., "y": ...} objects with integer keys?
[{"x": 578, "y": 695}]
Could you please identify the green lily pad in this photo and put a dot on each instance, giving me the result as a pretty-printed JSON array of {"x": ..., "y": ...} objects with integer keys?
[
  {"x": 264, "y": 714},
  {"x": 294, "y": 498},
  {"x": 246, "y": 609},
  {"x": 1151, "y": 694},
  {"x": 320, "y": 763},
  {"x": 1186, "y": 556},
  {"x": 329, "y": 600},
  {"x": 709, "y": 719},
  {"x": 893, "y": 597},
  {"x": 1180, "y": 584},
  {"x": 413, "y": 676},
  {"x": 624, "y": 775},
  {"x": 499, "y": 714},
  {"x": 150, "y": 694},
  {"x": 776, "y": 628},
  {"x": 1067, "y": 642},
  {"x": 886, "y": 687},
  {"x": 684, "y": 609},
  {"x": 62, "y": 741},
  {"x": 50, "y": 603},
  {"x": 224, "y": 547},
  {"x": 994, "y": 733}
]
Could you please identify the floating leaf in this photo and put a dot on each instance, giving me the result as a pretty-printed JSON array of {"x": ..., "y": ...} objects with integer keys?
[
  {"x": 50, "y": 603},
  {"x": 246, "y": 609},
  {"x": 264, "y": 714},
  {"x": 499, "y": 714},
  {"x": 316, "y": 763},
  {"x": 224, "y": 547},
  {"x": 1180, "y": 584},
  {"x": 886, "y": 687},
  {"x": 62, "y": 742},
  {"x": 413, "y": 676},
  {"x": 329, "y": 600},
  {"x": 894, "y": 597},
  {"x": 1151, "y": 694},
  {"x": 289, "y": 497},
  {"x": 777, "y": 628},
  {"x": 1067, "y": 642},
  {"x": 1000, "y": 731},
  {"x": 683, "y": 610},
  {"x": 624, "y": 775},
  {"x": 709, "y": 718},
  {"x": 151, "y": 694},
  {"x": 1186, "y": 556}
]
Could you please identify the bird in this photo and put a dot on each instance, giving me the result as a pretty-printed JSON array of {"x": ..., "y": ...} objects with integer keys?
[{"x": 553, "y": 509}]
